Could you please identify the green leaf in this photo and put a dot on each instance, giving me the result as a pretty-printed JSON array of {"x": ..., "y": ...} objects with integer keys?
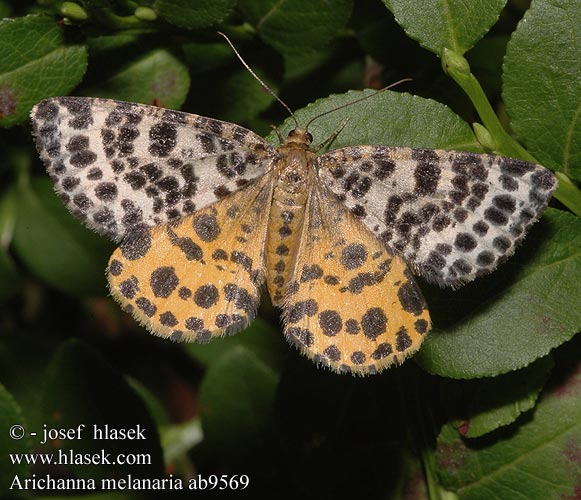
[
  {"x": 35, "y": 62},
  {"x": 11, "y": 415},
  {"x": 194, "y": 15},
  {"x": 484, "y": 405},
  {"x": 9, "y": 277},
  {"x": 516, "y": 315},
  {"x": 292, "y": 26},
  {"x": 83, "y": 389},
  {"x": 204, "y": 57},
  {"x": 377, "y": 33},
  {"x": 223, "y": 88},
  {"x": 387, "y": 118},
  {"x": 542, "y": 83},
  {"x": 157, "y": 76},
  {"x": 537, "y": 458},
  {"x": 264, "y": 341},
  {"x": 242, "y": 97},
  {"x": 54, "y": 246},
  {"x": 236, "y": 399},
  {"x": 453, "y": 24},
  {"x": 154, "y": 406},
  {"x": 304, "y": 64},
  {"x": 117, "y": 47}
]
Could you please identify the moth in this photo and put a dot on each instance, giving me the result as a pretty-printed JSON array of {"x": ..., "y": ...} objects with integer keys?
[{"x": 207, "y": 212}]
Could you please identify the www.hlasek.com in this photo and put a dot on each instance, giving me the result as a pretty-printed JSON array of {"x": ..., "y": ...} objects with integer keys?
[{"x": 129, "y": 482}]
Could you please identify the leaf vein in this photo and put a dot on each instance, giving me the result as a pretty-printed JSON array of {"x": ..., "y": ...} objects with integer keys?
[
  {"x": 569, "y": 138},
  {"x": 513, "y": 463}
]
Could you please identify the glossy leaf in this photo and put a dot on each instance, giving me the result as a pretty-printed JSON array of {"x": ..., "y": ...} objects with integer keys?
[
  {"x": 484, "y": 405},
  {"x": 453, "y": 24},
  {"x": 388, "y": 118},
  {"x": 542, "y": 83},
  {"x": 292, "y": 26},
  {"x": 156, "y": 77},
  {"x": 55, "y": 246},
  {"x": 35, "y": 62},
  {"x": 250, "y": 403},
  {"x": 538, "y": 457},
  {"x": 517, "y": 314},
  {"x": 194, "y": 15}
]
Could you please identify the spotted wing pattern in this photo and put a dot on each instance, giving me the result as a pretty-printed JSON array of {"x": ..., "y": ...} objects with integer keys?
[
  {"x": 121, "y": 166},
  {"x": 200, "y": 277},
  {"x": 452, "y": 216},
  {"x": 350, "y": 304},
  {"x": 191, "y": 199}
]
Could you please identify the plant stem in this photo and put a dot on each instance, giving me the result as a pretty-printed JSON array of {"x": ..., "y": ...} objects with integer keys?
[
  {"x": 429, "y": 463},
  {"x": 568, "y": 194},
  {"x": 458, "y": 68}
]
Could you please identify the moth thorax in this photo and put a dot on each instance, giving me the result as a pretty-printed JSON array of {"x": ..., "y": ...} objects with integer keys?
[{"x": 295, "y": 171}]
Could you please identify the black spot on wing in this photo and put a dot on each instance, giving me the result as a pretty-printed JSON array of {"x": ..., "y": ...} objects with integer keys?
[
  {"x": 373, "y": 323},
  {"x": 136, "y": 245},
  {"x": 206, "y": 296},
  {"x": 302, "y": 308},
  {"x": 353, "y": 256},
  {"x": 145, "y": 305},
  {"x": 163, "y": 138},
  {"x": 311, "y": 273},
  {"x": 411, "y": 298},
  {"x": 206, "y": 227},
  {"x": 427, "y": 172},
  {"x": 330, "y": 322},
  {"x": 163, "y": 281}
]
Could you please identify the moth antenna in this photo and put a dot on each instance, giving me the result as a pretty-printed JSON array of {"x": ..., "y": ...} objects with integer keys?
[
  {"x": 280, "y": 137},
  {"x": 258, "y": 79},
  {"x": 332, "y": 137},
  {"x": 391, "y": 85}
]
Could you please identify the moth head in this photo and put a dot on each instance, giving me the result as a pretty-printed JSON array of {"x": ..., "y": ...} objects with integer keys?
[{"x": 300, "y": 136}]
